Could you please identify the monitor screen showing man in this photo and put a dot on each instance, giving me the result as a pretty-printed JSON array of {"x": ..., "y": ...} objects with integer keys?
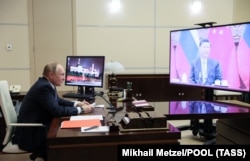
[{"x": 212, "y": 57}]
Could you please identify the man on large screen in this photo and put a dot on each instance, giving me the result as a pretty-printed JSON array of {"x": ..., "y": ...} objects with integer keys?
[{"x": 205, "y": 70}]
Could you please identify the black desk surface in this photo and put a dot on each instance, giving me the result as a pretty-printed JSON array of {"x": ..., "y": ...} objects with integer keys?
[{"x": 184, "y": 110}]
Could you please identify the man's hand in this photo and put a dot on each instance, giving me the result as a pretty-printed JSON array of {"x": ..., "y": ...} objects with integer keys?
[
  {"x": 83, "y": 103},
  {"x": 87, "y": 108}
]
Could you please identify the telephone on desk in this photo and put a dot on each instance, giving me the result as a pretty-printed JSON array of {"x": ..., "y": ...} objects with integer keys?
[
  {"x": 15, "y": 88},
  {"x": 143, "y": 121}
]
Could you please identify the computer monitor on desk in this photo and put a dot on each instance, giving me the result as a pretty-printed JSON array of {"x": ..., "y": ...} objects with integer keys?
[{"x": 85, "y": 72}]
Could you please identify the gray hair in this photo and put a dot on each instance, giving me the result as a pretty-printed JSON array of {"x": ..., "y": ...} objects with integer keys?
[{"x": 51, "y": 67}]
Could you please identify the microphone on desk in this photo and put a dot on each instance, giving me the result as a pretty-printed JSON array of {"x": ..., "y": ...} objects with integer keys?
[
  {"x": 112, "y": 126},
  {"x": 111, "y": 107}
]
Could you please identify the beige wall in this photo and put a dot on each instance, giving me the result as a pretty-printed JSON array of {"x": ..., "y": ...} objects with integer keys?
[
  {"x": 138, "y": 35},
  {"x": 52, "y": 32},
  {"x": 47, "y": 30},
  {"x": 241, "y": 11},
  {"x": 14, "y": 65}
]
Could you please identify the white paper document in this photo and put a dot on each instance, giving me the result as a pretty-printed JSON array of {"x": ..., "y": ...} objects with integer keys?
[
  {"x": 96, "y": 105},
  {"x": 140, "y": 103},
  {"x": 99, "y": 106},
  {"x": 86, "y": 117}
]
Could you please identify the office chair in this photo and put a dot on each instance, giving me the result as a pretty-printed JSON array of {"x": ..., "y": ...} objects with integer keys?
[{"x": 10, "y": 118}]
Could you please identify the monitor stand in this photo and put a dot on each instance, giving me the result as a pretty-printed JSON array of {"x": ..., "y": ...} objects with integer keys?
[
  {"x": 80, "y": 90},
  {"x": 205, "y": 128},
  {"x": 209, "y": 94},
  {"x": 88, "y": 91}
]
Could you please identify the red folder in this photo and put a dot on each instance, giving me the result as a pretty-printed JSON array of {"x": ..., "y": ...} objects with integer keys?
[{"x": 80, "y": 123}]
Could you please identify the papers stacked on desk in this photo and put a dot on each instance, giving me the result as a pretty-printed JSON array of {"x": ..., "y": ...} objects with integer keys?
[
  {"x": 140, "y": 103},
  {"x": 92, "y": 123},
  {"x": 86, "y": 117},
  {"x": 80, "y": 123}
]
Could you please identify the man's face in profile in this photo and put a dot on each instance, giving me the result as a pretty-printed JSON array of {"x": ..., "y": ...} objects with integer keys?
[
  {"x": 57, "y": 78},
  {"x": 205, "y": 50}
]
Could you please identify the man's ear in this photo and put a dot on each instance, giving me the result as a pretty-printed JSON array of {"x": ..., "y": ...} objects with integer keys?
[{"x": 51, "y": 74}]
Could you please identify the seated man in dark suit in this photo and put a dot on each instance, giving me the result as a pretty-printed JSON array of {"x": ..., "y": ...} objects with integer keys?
[
  {"x": 199, "y": 107},
  {"x": 41, "y": 105},
  {"x": 205, "y": 70}
]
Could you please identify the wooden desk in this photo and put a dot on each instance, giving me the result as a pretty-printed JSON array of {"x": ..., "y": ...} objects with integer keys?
[
  {"x": 71, "y": 144},
  {"x": 18, "y": 96},
  {"x": 156, "y": 87},
  {"x": 235, "y": 102},
  {"x": 233, "y": 115},
  {"x": 233, "y": 130}
]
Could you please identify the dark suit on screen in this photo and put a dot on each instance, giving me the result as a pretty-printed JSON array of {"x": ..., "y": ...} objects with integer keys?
[
  {"x": 213, "y": 72},
  {"x": 199, "y": 107},
  {"x": 40, "y": 105}
]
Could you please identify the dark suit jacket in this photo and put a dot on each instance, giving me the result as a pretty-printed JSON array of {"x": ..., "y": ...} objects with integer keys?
[
  {"x": 213, "y": 72},
  {"x": 40, "y": 105},
  {"x": 196, "y": 107}
]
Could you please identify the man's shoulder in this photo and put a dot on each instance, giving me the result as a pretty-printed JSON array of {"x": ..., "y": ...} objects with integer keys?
[
  {"x": 195, "y": 61},
  {"x": 211, "y": 60},
  {"x": 41, "y": 83}
]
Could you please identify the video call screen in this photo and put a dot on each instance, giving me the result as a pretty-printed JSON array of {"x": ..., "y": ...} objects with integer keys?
[{"x": 228, "y": 49}]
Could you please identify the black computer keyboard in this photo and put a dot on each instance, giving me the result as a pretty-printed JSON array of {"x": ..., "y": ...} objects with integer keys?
[{"x": 79, "y": 96}]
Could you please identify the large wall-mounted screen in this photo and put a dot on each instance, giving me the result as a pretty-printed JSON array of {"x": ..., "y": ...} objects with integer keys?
[{"x": 212, "y": 57}]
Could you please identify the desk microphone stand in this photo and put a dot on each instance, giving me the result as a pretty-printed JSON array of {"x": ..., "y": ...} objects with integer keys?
[{"x": 112, "y": 124}]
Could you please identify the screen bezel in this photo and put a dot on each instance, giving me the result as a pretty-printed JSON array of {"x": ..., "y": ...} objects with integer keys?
[
  {"x": 171, "y": 55},
  {"x": 101, "y": 60}
]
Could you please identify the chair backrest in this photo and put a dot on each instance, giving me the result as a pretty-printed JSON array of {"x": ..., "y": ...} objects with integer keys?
[{"x": 8, "y": 109}]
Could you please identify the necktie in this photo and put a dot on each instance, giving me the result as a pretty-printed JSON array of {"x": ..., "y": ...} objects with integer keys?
[
  {"x": 56, "y": 97},
  {"x": 204, "y": 71}
]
